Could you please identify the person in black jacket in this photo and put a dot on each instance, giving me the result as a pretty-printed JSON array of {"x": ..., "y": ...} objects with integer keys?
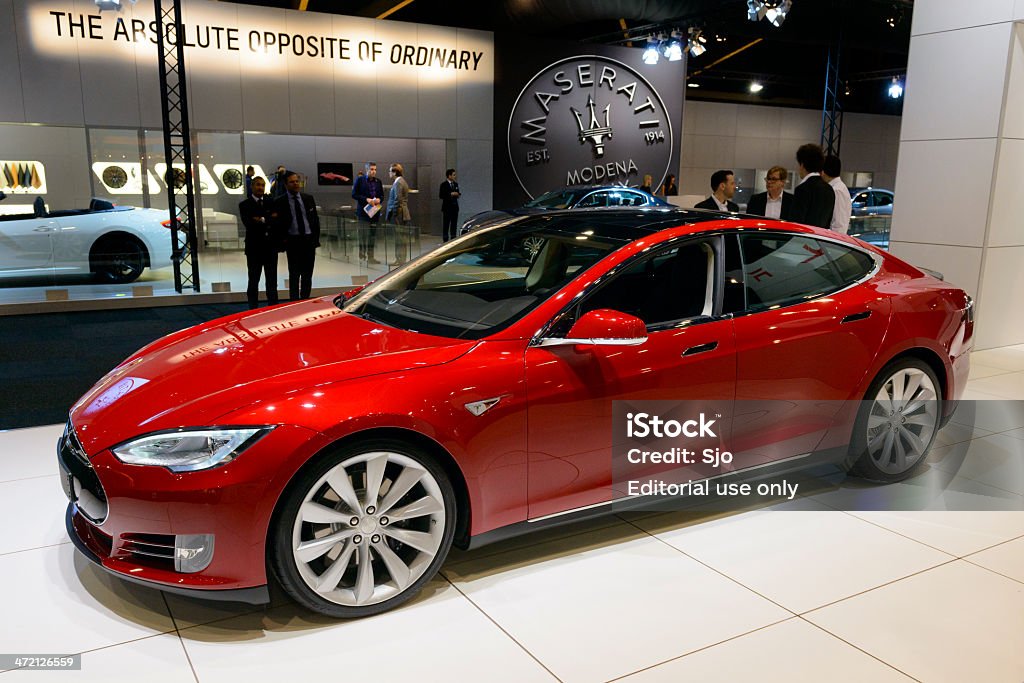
[
  {"x": 296, "y": 218},
  {"x": 815, "y": 198},
  {"x": 449, "y": 195},
  {"x": 262, "y": 243},
  {"x": 723, "y": 188},
  {"x": 368, "y": 191},
  {"x": 774, "y": 203}
]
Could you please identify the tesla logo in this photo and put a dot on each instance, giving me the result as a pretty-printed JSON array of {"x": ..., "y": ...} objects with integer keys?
[{"x": 560, "y": 130}]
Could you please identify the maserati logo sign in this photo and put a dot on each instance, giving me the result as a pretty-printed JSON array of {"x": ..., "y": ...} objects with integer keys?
[{"x": 588, "y": 119}]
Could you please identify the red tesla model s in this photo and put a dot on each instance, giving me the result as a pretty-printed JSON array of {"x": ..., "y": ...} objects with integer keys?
[{"x": 343, "y": 444}]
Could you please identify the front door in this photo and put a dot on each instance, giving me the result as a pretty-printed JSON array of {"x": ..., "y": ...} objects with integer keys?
[
  {"x": 688, "y": 355},
  {"x": 26, "y": 245}
]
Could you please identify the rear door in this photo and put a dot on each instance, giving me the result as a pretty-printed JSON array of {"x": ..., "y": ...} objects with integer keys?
[{"x": 805, "y": 338}]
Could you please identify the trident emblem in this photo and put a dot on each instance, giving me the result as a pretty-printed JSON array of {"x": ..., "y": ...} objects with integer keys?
[{"x": 596, "y": 133}]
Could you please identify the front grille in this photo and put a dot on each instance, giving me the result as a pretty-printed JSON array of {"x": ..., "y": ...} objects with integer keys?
[
  {"x": 81, "y": 484},
  {"x": 152, "y": 550}
]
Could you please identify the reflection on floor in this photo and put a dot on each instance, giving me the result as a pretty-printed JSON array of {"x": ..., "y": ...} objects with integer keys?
[
  {"x": 802, "y": 591},
  {"x": 335, "y": 267}
]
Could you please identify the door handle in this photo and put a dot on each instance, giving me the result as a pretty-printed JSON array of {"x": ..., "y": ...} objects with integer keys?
[
  {"x": 43, "y": 228},
  {"x": 854, "y": 317},
  {"x": 700, "y": 348}
]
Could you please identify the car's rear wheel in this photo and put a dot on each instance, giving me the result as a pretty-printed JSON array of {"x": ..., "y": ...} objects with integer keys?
[
  {"x": 118, "y": 260},
  {"x": 897, "y": 421},
  {"x": 364, "y": 529}
]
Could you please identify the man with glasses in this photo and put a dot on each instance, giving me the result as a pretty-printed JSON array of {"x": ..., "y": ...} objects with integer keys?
[{"x": 774, "y": 203}]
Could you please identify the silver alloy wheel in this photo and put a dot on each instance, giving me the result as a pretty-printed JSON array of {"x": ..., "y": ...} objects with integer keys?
[
  {"x": 368, "y": 529},
  {"x": 903, "y": 419}
]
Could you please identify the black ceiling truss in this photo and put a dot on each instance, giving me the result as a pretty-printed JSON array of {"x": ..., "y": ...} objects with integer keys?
[{"x": 181, "y": 202}]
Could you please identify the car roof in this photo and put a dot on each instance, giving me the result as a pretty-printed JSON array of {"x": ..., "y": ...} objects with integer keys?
[
  {"x": 629, "y": 224},
  {"x": 855, "y": 190}
]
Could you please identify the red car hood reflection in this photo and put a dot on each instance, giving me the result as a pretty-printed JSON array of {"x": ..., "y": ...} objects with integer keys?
[{"x": 209, "y": 370}]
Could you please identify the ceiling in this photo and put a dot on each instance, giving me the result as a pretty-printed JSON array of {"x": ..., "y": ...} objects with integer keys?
[{"x": 790, "y": 61}]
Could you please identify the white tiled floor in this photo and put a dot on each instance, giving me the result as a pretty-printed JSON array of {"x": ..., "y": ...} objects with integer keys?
[{"x": 802, "y": 591}]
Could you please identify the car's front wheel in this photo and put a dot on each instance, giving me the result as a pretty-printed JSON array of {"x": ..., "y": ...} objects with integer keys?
[
  {"x": 897, "y": 421},
  {"x": 364, "y": 529}
]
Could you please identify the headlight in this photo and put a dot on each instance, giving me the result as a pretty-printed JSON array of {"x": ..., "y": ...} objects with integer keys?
[{"x": 189, "y": 450}]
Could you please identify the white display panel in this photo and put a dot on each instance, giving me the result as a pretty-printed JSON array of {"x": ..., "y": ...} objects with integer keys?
[{"x": 207, "y": 185}]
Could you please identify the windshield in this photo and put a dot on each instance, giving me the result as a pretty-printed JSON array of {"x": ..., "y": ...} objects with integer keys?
[
  {"x": 557, "y": 199},
  {"x": 481, "y": 283}
]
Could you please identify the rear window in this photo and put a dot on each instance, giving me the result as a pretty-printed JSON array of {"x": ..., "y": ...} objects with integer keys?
[
  {"x": 785, "y": 269},
  {"x": 851, "y": 264}
]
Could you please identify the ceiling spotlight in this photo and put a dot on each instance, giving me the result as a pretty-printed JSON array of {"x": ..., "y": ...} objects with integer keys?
[
  {"x": 651, "y": 52},
  {"x": 719, "y": 38},
  {"x": 776, "y": 15},
  {"x": 691, "y": 84},
  {"x": 847, "y": 91},
  {"x": 896, "y": 89},
  {"x": 673, "y": 47},
  {"x": 756, "y": 87},
  {"x": 696, "y": 43}
]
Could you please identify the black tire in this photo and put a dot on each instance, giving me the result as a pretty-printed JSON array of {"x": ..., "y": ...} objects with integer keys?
[
  {"x": 291, "y": 534},
  {"x": 875, "y": 454},
  {"x": 118, "y": 260}
]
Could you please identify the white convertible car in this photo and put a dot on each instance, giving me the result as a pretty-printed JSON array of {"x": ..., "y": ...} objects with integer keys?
[{"x": 116, "y": 243}]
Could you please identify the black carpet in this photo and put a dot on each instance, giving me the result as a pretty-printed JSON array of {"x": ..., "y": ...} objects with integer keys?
[{"x": 48, "y": 360}]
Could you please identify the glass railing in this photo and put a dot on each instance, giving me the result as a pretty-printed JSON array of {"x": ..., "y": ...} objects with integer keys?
[{"x": 872, "y": 229}]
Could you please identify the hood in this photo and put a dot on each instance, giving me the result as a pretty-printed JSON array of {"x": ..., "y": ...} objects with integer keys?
[{"x": 192, "y": 377}]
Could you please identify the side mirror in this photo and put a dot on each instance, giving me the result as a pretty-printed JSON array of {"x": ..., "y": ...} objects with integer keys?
[{"x": 603, "y": 327}]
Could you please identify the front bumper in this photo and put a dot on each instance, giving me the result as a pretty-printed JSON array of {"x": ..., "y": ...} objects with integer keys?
[
  {"x": 73, "y": 521},
  {"x": 146, "y": 510}
]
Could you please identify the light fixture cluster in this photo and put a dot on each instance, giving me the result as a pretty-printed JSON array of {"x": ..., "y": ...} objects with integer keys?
[
  {"x": 775, "y": 11},
  {"x": 896, "y": 88},
  {"x": 671, "y": 47}
]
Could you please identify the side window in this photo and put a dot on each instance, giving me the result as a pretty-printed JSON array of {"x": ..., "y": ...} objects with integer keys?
[
  {"x": 785, "y": 269},
  {"x": 594, "y": 199},
  {"x": 881, "y": 199},
  {"x": 861, "y": 198},
  {"x": 671, "y": 285},
  {"x": 851, "y": 264},
  {"x": 633, "y": 199}
]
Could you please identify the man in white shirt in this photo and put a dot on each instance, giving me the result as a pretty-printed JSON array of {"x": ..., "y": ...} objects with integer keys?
[{"x": 830, "y": 172}]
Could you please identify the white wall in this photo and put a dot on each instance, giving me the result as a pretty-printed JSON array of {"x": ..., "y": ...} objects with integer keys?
[
  {"x": 727, "y": 135},
  {"x": 961, "y": 170}
]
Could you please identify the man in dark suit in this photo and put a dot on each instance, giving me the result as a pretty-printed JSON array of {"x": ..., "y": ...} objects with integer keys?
[
  {"x": 449, "y": 195},
  {"x": 774, "y": 203},
  {"x": 723, "y": 188},
  {"x": 368, "y": 191},
  {"x": 262, "y": 242},
  {"x": 297, "y": 219},
  {"x": 815, "y": 198}
]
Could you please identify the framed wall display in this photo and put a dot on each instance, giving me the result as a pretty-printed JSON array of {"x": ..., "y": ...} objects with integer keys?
[
  {"x": 334, "y": 174},
  {"x": 232, "y": 176},
  {"x": 24, "y": 177},
  {"x": 207, "y": 185}
]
